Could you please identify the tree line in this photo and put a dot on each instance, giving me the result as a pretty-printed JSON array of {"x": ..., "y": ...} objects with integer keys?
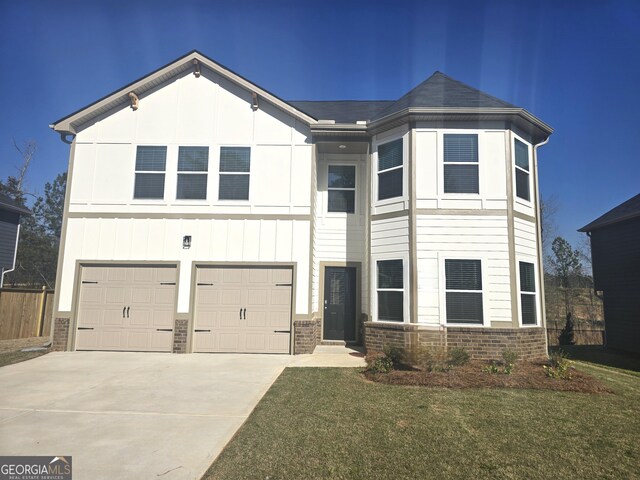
[{"x": 37, "y": 255}]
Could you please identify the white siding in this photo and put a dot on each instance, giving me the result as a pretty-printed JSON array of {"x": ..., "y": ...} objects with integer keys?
[
  {"x": 156, "y": 240},
  {"x": 430, "y": 171},
  {"x": 206, "y": 111},
  {"x": 341, "y": 237},
  {"x": 441, "y": 237},
  {"x": 390, "y": 236},
  {"x": 525, "y": 238}
]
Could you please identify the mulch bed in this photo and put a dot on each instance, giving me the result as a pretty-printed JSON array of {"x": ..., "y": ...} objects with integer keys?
[{"x": 528, "y": 375}]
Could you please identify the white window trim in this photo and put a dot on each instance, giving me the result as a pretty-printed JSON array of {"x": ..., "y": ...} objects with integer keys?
[
  {"x": 531, "y": 260},
  {"x": 232, "y": 201},
  {"x": 522, "y": 201},
  {"x": 151, "y": 201},
  {"x": 194, "y": 201},
  {"x": 441, "y": 164},
  {"x": 374, "y": 176},
  {"x": 356, "y": 189},
  {"x": 486, "y": 322},
  {"x": 405, "y": 290}
]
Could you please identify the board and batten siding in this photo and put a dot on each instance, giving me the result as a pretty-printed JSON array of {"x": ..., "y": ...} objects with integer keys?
[
  {"x": 213, "y": 240},
  {"x": 188, "y": 111},
  {"x": 341, "y": 237},
  {"x": 484, "y": 238}
]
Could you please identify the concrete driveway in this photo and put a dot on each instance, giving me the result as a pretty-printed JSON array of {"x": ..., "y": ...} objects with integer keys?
[{"x": 131, "y": 415}]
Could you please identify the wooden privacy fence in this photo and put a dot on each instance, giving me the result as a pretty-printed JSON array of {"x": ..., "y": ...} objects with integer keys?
[
  {"x": 581, "y": 337},
  {"x": 25, "y": 312}
]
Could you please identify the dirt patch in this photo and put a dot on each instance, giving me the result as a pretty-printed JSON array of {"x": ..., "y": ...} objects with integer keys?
[
  {"x": 20, "y": 343},
  {"x": 528, "y": 375}
]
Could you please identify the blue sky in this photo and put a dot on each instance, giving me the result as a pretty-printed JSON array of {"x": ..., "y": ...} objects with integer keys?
[{"x": 574, "y": 64}]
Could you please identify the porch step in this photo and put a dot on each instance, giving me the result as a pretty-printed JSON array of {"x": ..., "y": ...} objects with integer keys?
[{"x": 341, "y": 343}]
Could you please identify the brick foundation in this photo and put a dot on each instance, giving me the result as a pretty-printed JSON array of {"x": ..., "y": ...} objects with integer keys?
[
  {"x": 480, "y": 343},
  {"x": 60, "y": 339},
  {"x": 180, "y": 328},
  {"x": 305, "y": 336}
]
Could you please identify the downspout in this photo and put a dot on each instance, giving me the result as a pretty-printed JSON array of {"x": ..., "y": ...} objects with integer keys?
[
  {"x": 15, "y": 256},
  {"x": 539, "y": 242}
]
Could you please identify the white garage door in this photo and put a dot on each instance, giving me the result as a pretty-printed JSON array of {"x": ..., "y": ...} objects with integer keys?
[
  {"x": 243, "y": 309},
  {"x": 127, "y": 308}
]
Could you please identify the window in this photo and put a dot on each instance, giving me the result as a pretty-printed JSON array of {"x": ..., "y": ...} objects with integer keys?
[
  {"x": 342, "y": 188},
  {"x": 390, "y": 170},
  {"x": 235, "y": 163},
  {"x": 461, "y": 163},
  {"x": 390, "y": 290},
  {"x": 192, "y": 182},
  {"x": 464, "y": 291},
  {"x": 522, "y": 170},
  {"x": 150, "y": 167},
  {"x": 528, "y": 293}
]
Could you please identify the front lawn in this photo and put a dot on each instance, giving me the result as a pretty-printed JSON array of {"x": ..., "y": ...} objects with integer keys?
[{"x": 334, "y": 424}]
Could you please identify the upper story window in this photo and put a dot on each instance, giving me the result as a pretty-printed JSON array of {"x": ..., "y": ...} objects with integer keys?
[
  {"x": 390, "y": 170},
  {"x": 461, "y": 163},
  {"x": 528, "y": 293},
  {"x": 390, "y": 290},
  {"x": 151, "y": 163},
  {"x": 235, "y": 165},
  {"x": 463, "y": 291},
  {"x": 341, "y": 183},
  {"x": 522, "y": 170},
  {"x": 193, "y": 164}
]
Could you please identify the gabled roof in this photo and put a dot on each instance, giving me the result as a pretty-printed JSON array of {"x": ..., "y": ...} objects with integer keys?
[
  {"x": 437, "y": 98},
  {"x": 9, "y": 204},
  {"x": 342, "y": 111},
  {"x": 441, "y": 91},
  {"x": 120, "y": 97},
  {"x": 624, "y": 211}
]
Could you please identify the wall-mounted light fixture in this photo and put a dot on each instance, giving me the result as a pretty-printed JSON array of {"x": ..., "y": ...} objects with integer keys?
[
  {"x": 186, "y": 241},
  {"x": 254, "y": 101},
  {"x": 196, "y": 68},
  {"x": 135, "y": 101}
]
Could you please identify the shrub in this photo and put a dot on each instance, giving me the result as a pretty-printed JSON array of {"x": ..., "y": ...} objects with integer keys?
[
  {"x": 458, "y": 356},
  {"x": 493, "y": 367},
  {"x": 510, "y": 357},
  {"x": 378, "y": 363},
  {"x": 559, "y": 366},
  {"x": 396, "y": 354}
]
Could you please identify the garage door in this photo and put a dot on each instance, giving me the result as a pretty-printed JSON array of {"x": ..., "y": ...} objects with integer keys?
[
  {"x": 244, "y": 310},
  {"x": 126, "y": 308}
]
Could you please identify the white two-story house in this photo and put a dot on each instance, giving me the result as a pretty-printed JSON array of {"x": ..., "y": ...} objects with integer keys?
[{"x": 205, "y": 214}]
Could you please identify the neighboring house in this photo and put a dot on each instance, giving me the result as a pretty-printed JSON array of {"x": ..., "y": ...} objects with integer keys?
[
  {"x": 615, "y": 254},
  {"x": 205, "y": 214},
  {"x": 10, "y": 212}
]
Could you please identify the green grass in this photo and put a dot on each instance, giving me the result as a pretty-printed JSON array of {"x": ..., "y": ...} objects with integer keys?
[
  {"x": 9, "y": 358},
  {"x": 598, "y": 355},
  {"x": 332, "y": 424}
]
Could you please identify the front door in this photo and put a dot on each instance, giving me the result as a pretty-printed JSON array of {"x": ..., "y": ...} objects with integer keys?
[{"x": 340, "y": 303}]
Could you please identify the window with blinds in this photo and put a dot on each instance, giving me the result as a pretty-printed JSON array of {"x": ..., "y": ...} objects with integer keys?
[
  {"x": 193, "y": 165},
  {"x": 528, "y": 294},
  {"x": 151, "y": 164},
  {"x": 461, "y": 163},
  {"x": 464, "y": 291},
  {"x": 522, "y": 171},
  {"x": 390, "y": 170},
  {"x": 341, "y": 185},
  {"x": 235, "y": 165},
  {"x": 390, "y": 290}
]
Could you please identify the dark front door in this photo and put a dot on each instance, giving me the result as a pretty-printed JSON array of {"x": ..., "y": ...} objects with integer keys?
[{"x": 340, "y": 303}]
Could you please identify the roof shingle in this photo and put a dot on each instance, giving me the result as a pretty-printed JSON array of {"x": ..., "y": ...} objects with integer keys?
[{"x": 624, "y": 211}]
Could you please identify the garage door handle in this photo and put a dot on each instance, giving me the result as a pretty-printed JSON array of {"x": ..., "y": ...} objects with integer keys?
[
  {"x": 245, "y": 313},
  {"x": 85, "y": 328},
  {"x": 240, "y": 314},
  {"x": 164, "y": 329},
  {"x": 124, "y": 309},
  {"x": 198, "y": 331},
  {"x": 128, "y": 311},
  {"x": 282, "y": 331}
]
